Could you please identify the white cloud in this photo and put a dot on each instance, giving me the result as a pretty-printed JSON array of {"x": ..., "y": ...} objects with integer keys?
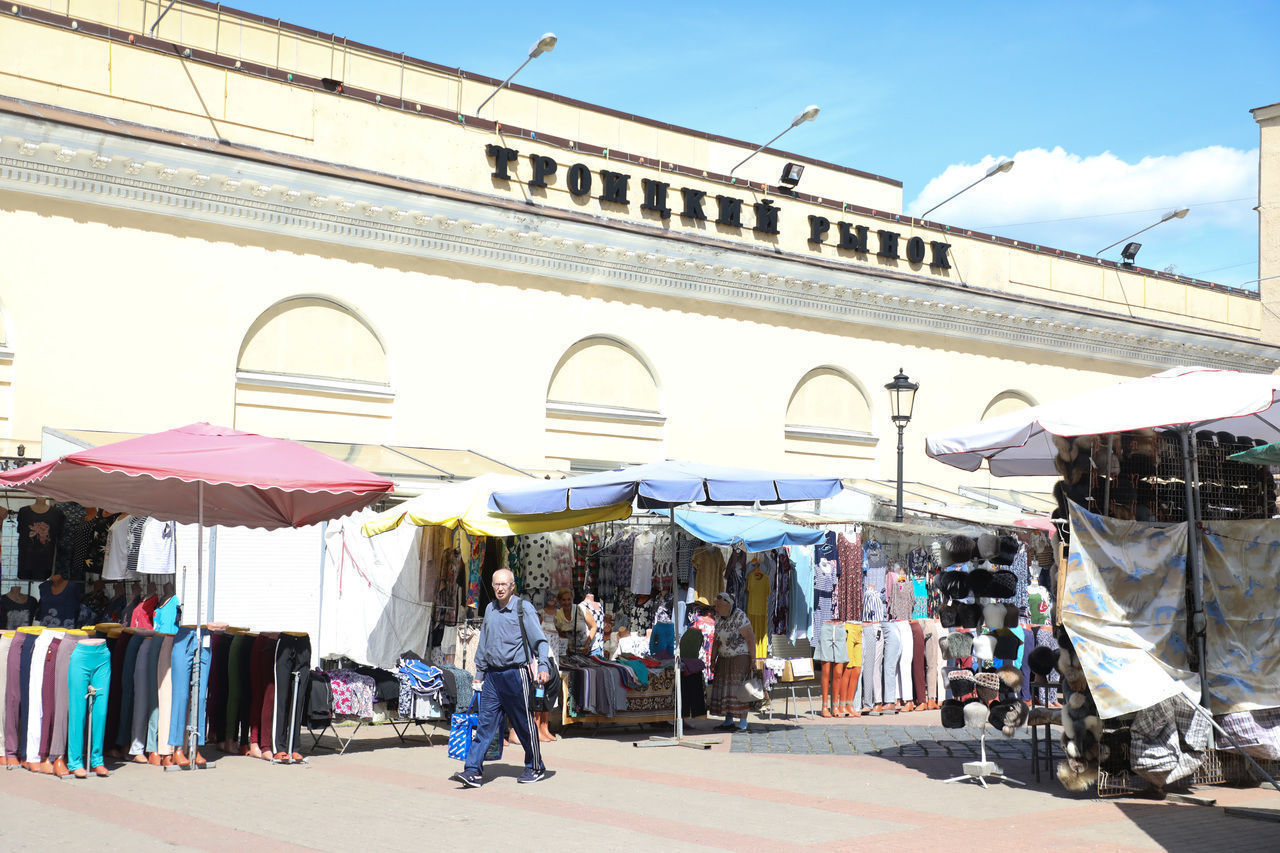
[{"x": 1092, "y": 191}]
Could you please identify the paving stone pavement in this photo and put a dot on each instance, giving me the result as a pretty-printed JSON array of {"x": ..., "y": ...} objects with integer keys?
[{"x": 881, "y": 740}]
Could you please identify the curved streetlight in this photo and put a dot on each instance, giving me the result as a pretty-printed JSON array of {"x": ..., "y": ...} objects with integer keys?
[
  {"x": 1180, "y": 213},
  {"x": 994, "y": 170},
  {"x": 902, "y": 398},
  {"x": 809, "y": 114},
  {"x": 546, "y": 44}
]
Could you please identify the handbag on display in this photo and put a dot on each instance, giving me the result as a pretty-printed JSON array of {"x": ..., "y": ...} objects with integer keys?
[
  {"x": 462, "y": 733},
  {"x": 800, "y": 668}
]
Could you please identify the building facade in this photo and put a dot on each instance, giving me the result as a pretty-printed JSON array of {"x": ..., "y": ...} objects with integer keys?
[{"x": 254, "y": 224}]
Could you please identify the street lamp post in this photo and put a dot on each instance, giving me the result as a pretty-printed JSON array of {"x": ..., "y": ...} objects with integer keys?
[
  {"x": 994, "y": 170},
  {"x": 809, "y": 114},
  {"x": 902, "y": 399},
  {"x": 546, "y": 44}
]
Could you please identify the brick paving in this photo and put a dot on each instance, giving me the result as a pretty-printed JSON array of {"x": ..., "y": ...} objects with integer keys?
[
  {"x": 904, "y": 741},
  {"x": 604, "y": 792}
]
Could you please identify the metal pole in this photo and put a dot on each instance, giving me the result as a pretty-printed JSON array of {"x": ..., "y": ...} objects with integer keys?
[
  {"x": 503, "y": 84},
  {"x": 293, "y": 711},
  {"x": 675, "y": 624},
  {"x": 1191, "y": 489},
  {"x": 193, "y": 706},
  {"x": 901, "y": 426}
]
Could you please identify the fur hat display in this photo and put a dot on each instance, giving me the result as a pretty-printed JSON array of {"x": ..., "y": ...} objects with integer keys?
[
  {"x": 988, "y": 686},
  {"x": 957, "y": 549},
  {"x": 1003, "y": 584},
  {"x": 975, "y": 715},
  {"x": 1008, "y": 716},
  {"x": 1076, "y": 775},
  {"x": 1015, "y": 615},
  {"x": 956, "y": 645},
  {"x": 961, "y": 682},
  {"x": 988, "y": 546},
  {"x": 969, "y": 615},
  {"x": 979, "y": 581},
  {"x": 1070, "y": 669},
  {"x": 1042, "y": 660},
  {"x": 947, "y": 615},
  {"x": 984, "y": 647},
  {"x": 952, "y": 713},
  {"x": 1010, "y": 677},
  {"x": 993, "y": 615},
  {"x": 1081, "y": 741},
  {"x": 954, "y": 585},
  {"x": 1007, "y": 644},
  {"x": 1007, "y": 550}
]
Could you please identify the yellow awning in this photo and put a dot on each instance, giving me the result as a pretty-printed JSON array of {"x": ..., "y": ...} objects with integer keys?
[{"x": 466, "y": 504}]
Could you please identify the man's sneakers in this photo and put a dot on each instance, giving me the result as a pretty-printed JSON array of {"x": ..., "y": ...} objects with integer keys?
[
  {"x": 471, "y": 780},
  {"x": 530, "y": 775}
]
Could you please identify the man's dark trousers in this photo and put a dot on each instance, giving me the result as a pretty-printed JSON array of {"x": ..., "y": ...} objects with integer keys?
[{"x": 505, "y": 694}]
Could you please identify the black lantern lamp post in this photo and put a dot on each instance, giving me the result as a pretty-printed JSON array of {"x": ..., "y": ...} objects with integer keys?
[{"x": 902, "y": 398}]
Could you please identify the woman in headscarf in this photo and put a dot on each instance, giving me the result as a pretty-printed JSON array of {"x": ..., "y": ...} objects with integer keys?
[{"x": 733, "y": 663}]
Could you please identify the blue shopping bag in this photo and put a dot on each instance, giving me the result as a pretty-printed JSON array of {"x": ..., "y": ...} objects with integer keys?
[{"x": 462, "y": 732}]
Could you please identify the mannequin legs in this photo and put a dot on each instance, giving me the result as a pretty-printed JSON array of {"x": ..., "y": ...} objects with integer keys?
[{"x": 826, "y": 688}]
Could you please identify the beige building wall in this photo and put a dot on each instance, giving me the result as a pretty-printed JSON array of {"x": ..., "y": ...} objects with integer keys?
[
  {"x": 1268, "y": 119},
  {"x": 389, "y": 289}
]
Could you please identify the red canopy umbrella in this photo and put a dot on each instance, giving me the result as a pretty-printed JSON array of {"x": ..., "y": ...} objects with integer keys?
[{"x": 205, "y": 474}]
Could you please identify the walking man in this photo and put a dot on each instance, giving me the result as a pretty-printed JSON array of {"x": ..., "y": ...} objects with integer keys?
[{"x": 503, "y": 681}]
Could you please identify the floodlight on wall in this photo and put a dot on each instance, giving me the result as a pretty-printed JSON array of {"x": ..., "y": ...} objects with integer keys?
[
  {"x": 997, "y": 169},
  {"x": 791, "y": 174},
  {"x": 1180, "y": 213},
  {"x": 546, "y": 44},
  {"x": 809, "y": 114},
  {"x": 1129, "y": 252}
]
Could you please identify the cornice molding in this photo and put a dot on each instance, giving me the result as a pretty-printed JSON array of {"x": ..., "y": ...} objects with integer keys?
[
  {"x": 316, "y": 384},
  {"x": 558, "y": 408},
  {"x": 64, "y": 162},
  {"x": 831, "y": 434}
]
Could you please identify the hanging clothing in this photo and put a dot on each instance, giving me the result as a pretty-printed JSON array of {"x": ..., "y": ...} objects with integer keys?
[
  {"x": 735, "y": 577},
  {"x": 758, "y": 587},
  {"x": 780, "y": 610},
  {"x": 157, "y": 551},
  {"x": 848, "y": 593},
  {"x": 17, "y": 614},
  {"x": 824, "y": 584},
  {"x": 72, "y": 559},
  {"x": 61, "y": 609},
  {"x": 120, "y": 544},
  {"x": 642, "y": 563},
  {"x": 596, "y": 609},
  {"x": 802, "y": 586},
  {"x": 710, "y": 566},
  {"x": 38, "y": 535},
  {"x": 475, "y": 564}
]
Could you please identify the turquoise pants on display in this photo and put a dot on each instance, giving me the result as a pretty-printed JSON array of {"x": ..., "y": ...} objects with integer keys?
[{"x": 90, "y": 666}]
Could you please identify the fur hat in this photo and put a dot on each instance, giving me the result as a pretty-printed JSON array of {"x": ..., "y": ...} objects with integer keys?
[
  {"x": 979, "y": 581},
  {"x": 1044, "y": 553},
  {"x": 957, "y": 549},
  {"x": 988, "y": 685},
  {"x": 961, "y": 682},
  {"x": 1042, "y": 660},
  {"x": 975, "y": 715},
  {"x": 1015, "y": 615},
  {"x": 1015, "y": 717},
  {"x": 1011, "y": 677},
  {"x": 1076, "y": 775},
  {"x": 1071, "y": 670},
  {"x": 952, "y": 713},
  {"x": 954, "y": 585},
  {"x": 1007, "y": 550},
  {"x": 956, "y": 645},
  {"x": 1003, "y": 584},
  {"x": 984, "y": 647},
  {"x": 988, "y": 546},
  {"x": 1007, "y": 644},
  {"x": 969, "y": 615},
  {"x": 993, "y": 615},
  {"x": 1065, "y": 447},
  {"x": 947, "y": 615}
]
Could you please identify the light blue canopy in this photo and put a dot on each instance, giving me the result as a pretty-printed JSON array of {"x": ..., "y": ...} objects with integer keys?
[
  {"x": 757, "y": 533},
  {"x": 662, "y": 485}
]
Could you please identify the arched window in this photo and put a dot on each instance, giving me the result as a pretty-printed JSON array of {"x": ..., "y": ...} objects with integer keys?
[
  {"x": 828, "y": 424},
  {"x": 603, "y": 407},
  {"x": 311, "y": 368},
  {"x": 1006, "y": 402}
]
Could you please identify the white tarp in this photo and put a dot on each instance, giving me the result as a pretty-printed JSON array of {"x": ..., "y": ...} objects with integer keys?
[
  {"x": 1020, "y": 443},
  {"x": 371, "y": 610},
  {"x": 1242, "y": 589},
  {"x": 1124, "y": 607}
]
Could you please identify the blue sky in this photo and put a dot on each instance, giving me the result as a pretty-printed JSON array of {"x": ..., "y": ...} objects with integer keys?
[{"x": 1114, "y": 112}]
